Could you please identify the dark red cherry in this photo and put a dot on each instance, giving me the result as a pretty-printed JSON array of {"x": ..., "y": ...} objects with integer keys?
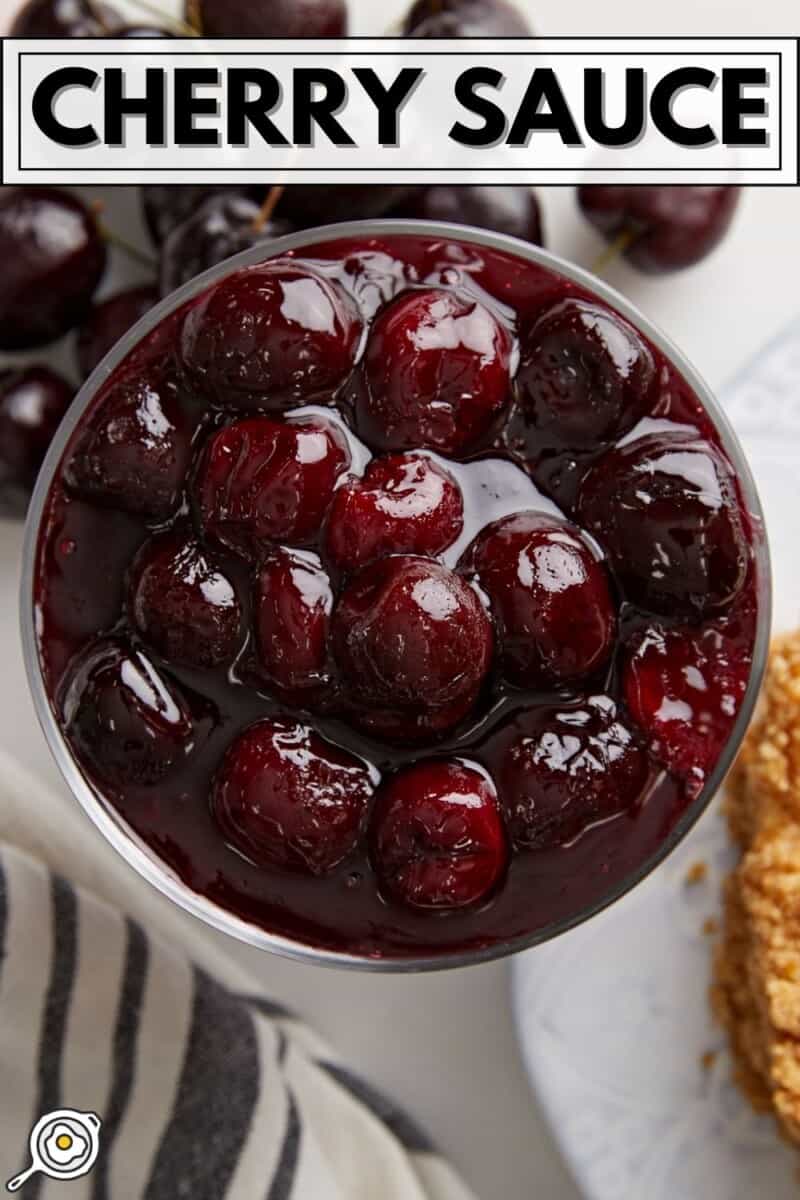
[
  {"x": 435, "y": 374},
  {"x": 283, "y": 796},
  {"x": 567, "y": 767},
  {"x": 135, "y": 451},
  {"x": 223, "y": 225},
  {"x": 550, "y": 597},
  {"x": 182, "y": 605},
  {"x": 511, "y": 210},
  {"x": 278, "y": 19},
  {"x": 108, "y": 321},
  {"x": 585, "y": 378},
  {"x": 405, "y": 504},
  {"x": 464, "y": 19},
  {"x": 167, "y": 205},
  {"x": 53, "y": 259},
  {"x": 262, "y": 481},
  {"x": 291, "y": 615},
  {"x": 65, "y": 18},
  {"x": 684, "y": 687},
  {"x": 436, "y": 836},
  {"x": 669, "y": 227},
  {"x": 665, "y": 509},
  {"x": 414, "y": 645},
  {"x": 126, "y": 723},
  {"x": 271, "y": 337},
  {"x": 32, "y": 402},
  {"x": 310, "y": 204}
]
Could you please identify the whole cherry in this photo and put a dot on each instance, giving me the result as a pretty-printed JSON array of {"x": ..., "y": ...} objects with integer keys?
[
  {"x": 181, "y": 604},
  {"x": 437, "y": 838},
  {"x": 65, "y": 18},
  {"x": 511, "y": 210},
  {"x": 414, "y": 645},
  {"x": 270, "y": 337},
  {"x": 436, "y": 374},
  {"x": 167, "y": 205},
  {"x": 567, "y": 767},
  {"x": 279, "y": 19},
  {"x": 550, "y": 597},
  {"x": 53, "y": 259},
  {"x": 32, "y": 402},
  {"x": 404, "y": 504},
  {"x": 464, "y": 19},
  {"x": 284, "y": 796},
  {"x": 661, "y": 228},
  {"x": 261, "y": 481}
]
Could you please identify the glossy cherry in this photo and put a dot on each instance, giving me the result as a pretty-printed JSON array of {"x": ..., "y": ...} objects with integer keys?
[
  {"x": 223, "y": 225},
  {"x": 437, "y": 838},
  {"x": 167, "y": 205},
  {"x": 550, "y": 597},
  {"x": 65, "y": 18},
  {"x": 464, "y": 19},
  {"x": 511, "y": 210},
  {"x": 182, "y": 604},
  {"x": 404, "y": 504},
  {"x": 32, "y": 402},
  {"x": 279, "y": 19},
  {"x": 585, "y": 378},
  {"x": 665, "y": 509},
  {"x": 291, "y": 615},
  {"x": 414, "y": 645},
  {"x": 135, "y": 452},
  {"x": 108, "y": 321},
  {"x": 53, "y": 259},
  {"x": 683, "y": 687},
  {"x": 284, "y": 796},
  {"x": 669, "y": 227},
  {"x": 261, "y": 481},
  {"x": 436, "y": 374},
  {"x": 569, "y": 766},
  {"x": 271, "y": 337},
  {"x": 125, "y": 721}
]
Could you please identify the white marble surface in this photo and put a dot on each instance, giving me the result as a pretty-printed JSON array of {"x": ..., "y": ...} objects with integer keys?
[{"x": 444, "y": 1044}]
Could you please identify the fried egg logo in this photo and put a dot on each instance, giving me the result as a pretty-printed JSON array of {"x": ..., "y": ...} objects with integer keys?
[{"x": 63, "y": 1145}]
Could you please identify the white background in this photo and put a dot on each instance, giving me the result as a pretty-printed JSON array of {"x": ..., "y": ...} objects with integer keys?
[{"x": 444, "y": 1044}]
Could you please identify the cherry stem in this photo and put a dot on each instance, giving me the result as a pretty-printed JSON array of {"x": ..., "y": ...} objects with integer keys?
[
  {"x": 625, "y": 238},
  {"x": 97, "y": 12},
  {"x": 271, "y": 202},
  {"x": 180, "y": 27},
  {"x": 194, "y": 17}
]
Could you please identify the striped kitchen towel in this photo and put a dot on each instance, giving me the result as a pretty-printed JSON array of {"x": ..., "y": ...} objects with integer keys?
[{"x": 202, "y": 1089}]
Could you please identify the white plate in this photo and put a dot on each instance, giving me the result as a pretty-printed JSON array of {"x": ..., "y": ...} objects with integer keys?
[{"x": 613, "y": 1018}]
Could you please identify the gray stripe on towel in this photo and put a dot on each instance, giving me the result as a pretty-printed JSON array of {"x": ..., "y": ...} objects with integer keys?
[
  {"x": 283, "y": 1179},
  {"x": 407, "y": 1132}
]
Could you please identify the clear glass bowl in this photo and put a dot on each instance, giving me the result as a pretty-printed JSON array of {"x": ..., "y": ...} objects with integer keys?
[{"x": 109, "y": 822}]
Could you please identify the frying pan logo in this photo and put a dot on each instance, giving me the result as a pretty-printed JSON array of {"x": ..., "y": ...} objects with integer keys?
[{"x": 64, "y": 1144}]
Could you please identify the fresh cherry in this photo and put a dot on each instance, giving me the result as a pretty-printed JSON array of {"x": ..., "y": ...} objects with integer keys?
[
  {"x": 223, "y": 225},
  {"x": 126, "y": 723},
  {"x": 511, "y": 210},
  {"x": 550, "y": 597},
  {"x": 262, "y": 481},
  {"x": 65, "y": 18},
  {"x": 182, "y": 605},
  {"x": 32, "y": 402},
  {"x": 291, "y": 614},
  {"x": 569, "y": 766},
  {"x": 465, "y": 19},
  {"x": 667, "y": 228},
  {"x": 271, "y": 337},
  {"x": 436, "y": 374},
  {"x": 414, "y": 645},
  {"x": 665, "y": 509},
  {"x": 405, "y": 504},
  {"x": 279, "y": 19},
  {"x": 53, "y": 258},
  {"x": 437, "y": 837},
  {"x": 684, "y": 687},
  {"x": 135, "y": 452},
  {"x": 165, "y": 206},
  {"x": 313, "y": 204},
  {"x": 585, "y": 378},
  {"x": 284, "y": 796},
  {"x": 108, "y": 321}
]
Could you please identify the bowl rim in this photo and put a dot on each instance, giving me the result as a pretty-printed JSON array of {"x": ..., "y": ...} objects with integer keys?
[{"x": 134, "y": 851}]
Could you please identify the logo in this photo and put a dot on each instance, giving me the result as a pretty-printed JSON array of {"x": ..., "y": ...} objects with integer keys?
[{"x": 64, "y": 1144}]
